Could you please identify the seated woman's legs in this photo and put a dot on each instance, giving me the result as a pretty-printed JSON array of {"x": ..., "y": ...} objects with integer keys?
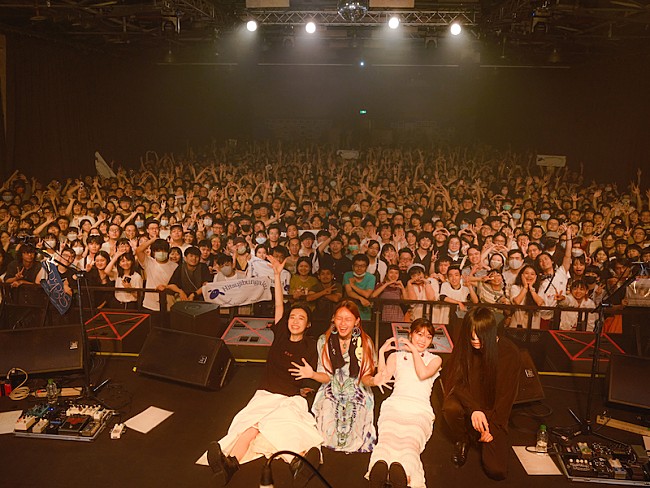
[{"x": 243, "y": 442}]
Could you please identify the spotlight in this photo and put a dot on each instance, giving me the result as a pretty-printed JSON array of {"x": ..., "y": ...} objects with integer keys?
[
  {"x": 393, "y": 23},
  {"x": 362, "y": 63},
  {"x": 310, "y": 27},
  {"x": 455, "y": 29},
  {"x": 251, "y": 25}
]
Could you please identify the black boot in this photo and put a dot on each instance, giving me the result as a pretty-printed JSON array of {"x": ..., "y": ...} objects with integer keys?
[
  {"x": 223, "y": 467},
  {"x": 378, "y": 475},
  {"x": 397, "y": 476},
  {"x": 301, "y": 473},
  {"x": 459, "y": 457}
]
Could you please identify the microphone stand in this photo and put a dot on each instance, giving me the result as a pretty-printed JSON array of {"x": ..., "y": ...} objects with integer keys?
[
  {"x": 88, "y": 393},
  {"x": 585, "y": 425}
]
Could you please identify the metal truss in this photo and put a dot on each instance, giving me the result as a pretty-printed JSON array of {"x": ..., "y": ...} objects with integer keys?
[
  {"x": 418, "y": 18},
  {"x": 206, "y": 9}
]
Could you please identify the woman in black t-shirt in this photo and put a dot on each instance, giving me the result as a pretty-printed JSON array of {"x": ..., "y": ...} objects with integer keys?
[{"x": 277, "y": 417}]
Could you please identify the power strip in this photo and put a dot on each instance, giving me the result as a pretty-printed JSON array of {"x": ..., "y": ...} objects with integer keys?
[
  {"x": 621, "y": 425},
  {"x": 64, "y": 392}
]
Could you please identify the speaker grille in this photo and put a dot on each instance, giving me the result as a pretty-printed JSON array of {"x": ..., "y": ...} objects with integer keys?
[
  {"x": 628, "y": 380},
  {"x": 188, "y": 358},
  {"x": 42, "y": 350}
]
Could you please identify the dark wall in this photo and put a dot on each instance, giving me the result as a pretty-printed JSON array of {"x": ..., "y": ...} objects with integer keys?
[{"x": 65, "y": 104}]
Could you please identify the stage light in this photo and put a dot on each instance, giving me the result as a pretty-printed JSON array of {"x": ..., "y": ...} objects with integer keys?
[
  {"x": 251, "y": 25},
  {"x": 455, "y": 29},
  {"x": 362, "y": 63},
  {"x": 393, "y": 23},
  {"x": 310, "y": 27}
]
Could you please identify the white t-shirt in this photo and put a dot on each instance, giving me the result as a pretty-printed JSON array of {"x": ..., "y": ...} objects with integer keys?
[
  {"x": 569, "y": 320},
  {"x": 157, "y": 274},
  {"x": 520, "y": 317},
  {"x": 125, "y": 296},
  {"x": 549, "y": 287}
]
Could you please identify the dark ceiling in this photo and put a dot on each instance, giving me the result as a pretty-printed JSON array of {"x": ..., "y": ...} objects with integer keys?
[{"x": 501, "y": 31}]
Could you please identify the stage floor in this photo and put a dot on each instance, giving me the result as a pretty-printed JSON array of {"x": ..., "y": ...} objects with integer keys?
[{"x": 166, "y": 456}]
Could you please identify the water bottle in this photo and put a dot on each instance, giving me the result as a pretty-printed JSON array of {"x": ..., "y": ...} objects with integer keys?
[
  {"x": 52, "y": 392},
  {"x": 542, "y": 440}
]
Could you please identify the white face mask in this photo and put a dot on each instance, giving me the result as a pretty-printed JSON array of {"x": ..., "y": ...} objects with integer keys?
[
  {"x": 515, "y": 263},
  {"x": 160, "y": 256},
  {"x": 577, "y": 252},
  {"x": 495, "y": 264},
  {"x": 72, "y": 237},
  {"x": 359, "y": 275},
  {"x": 50, "y": 244},
  {"x": 78, "y": 250},
  {"x": 226, "y": 270}
]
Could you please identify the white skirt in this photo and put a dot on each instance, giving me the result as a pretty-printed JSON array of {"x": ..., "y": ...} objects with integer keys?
[
  {"x": 404, "y": 427},
  {"x": 283, "y": 422}
]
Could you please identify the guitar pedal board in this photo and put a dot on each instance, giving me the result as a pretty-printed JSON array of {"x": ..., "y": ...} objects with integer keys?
[
  {"x": 601, "y": 462},
  {"x": 69, "y": 421}
]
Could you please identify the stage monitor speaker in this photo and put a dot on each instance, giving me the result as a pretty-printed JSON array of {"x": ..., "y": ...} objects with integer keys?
[
  {"x": 186, "y": 358},
  {"x": 197, "y": 318},
  {"x": 530, "y": 388},
  {"x": 628, "y": 380},
  {"x": 21, "y": 316},
  {"x": 42, "y": 349}
]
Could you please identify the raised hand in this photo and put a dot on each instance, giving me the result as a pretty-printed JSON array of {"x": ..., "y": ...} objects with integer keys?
[
  {"x": 302, "y": 371},
  {"x": 277, "y": 265}
]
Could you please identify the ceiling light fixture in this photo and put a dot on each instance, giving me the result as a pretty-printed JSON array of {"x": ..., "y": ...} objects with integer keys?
[{"x": 352, "y": 10}]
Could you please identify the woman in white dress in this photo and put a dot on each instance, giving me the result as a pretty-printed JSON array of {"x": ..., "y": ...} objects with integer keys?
[{"x": 406, "y": 417}]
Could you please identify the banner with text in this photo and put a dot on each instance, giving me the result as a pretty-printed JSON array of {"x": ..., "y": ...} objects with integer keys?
[{"x": 233, "y": 293}]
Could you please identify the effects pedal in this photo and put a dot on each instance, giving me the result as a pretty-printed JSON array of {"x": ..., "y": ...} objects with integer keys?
[
  {"x": 40, "y": 426},
  {"x": 580, "y": 468},
  {"x": 25, "y": 422},
  {"x": 74, "y": 424},
  {"x": 91, "y": 428},
  {"x": 117, "y": 431}
]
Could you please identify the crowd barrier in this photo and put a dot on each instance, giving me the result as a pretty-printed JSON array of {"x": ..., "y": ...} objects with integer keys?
[{"x": 28, "y": 306}]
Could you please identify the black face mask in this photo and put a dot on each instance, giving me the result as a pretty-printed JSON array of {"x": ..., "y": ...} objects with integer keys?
[
  {"x": 590, "y": 280},
  {"x": 246, "y": 228}
]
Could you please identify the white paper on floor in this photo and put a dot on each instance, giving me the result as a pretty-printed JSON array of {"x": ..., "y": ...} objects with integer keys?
[
  {"x": 536, "y": 463},
  {"x": 8, "y": 421},
  {"x": 147, "y": 420},
  {"x": 203, "y": 460}
]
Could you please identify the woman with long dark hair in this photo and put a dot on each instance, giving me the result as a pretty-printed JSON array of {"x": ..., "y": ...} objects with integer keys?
[
  {"x": 480, "y": 384},
  {"x": 525, "y": 291},
  {"x": 344, "y": 404},
  {"x": 277, "y": 417}
]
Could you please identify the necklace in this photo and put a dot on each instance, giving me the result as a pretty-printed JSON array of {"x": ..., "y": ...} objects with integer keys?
[{"x": 345, "y": 344}]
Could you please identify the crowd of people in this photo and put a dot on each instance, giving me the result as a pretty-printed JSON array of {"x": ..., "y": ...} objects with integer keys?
[
  {"x": 441, "y": 224},
  {"x": 416, "y": 227}
]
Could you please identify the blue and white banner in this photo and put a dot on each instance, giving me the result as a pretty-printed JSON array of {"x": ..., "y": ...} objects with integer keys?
[
  {"x": 53, "y": 286},
  {"x": 233, "y": 293}
]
